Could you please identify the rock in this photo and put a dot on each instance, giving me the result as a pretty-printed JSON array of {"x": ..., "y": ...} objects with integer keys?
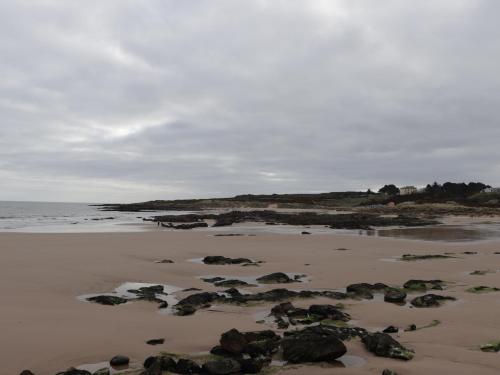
[
  {"x": 394, "y": 295},
  {"x": 119, "y": 360},
  {"x": 275, "y": 278},
  {"x": 251, "y": 365},
  {"x": 217, "y": 259},
  {"x": 233, "y": 341},
  {"x": 159, "y": 363},
  {"x": 184, "y": 310},
  {"x": 383, "y": 345},
  {"x": 423, "y": 285},
  {"x": 233, "y": 283},
  {"x": 190, "y": 225},
  {"x": 312, "y": 346},
  {"x": 165, "y": 261},
  {"x": 187, "y": 366},
  {"x": 74, "y": 371},
  {"x": 103, "y": 371},
  {"x": 26, "y": 372},
  {"x": 222, "y": 366},
  {"x": 163, "y": 305},
  {"x": 329, "y": 312},
  {"x": 413, "y": 257},
  {"x": 363, "y": 290},
  {"x": 304, "y": 232},
  {"x": 199, "y": 299},
  {"x": 430, "y": 300},
  {"x": 388, "y": 372},
  {"x": 491, "y": 347},
  {"x": 411, "y": 327},
  {"x": 107, "y": 300},
  {"x": 391, "y": 329},
  {"x": 155, "y": 341},
  {"x": 483, "y": 289},
  {"x": 212, "y": 280}
]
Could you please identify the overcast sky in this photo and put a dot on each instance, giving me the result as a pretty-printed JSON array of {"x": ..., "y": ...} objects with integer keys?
[{"x": 137, "y": 100}]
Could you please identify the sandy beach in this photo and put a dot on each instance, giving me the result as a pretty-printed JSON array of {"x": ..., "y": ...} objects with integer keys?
[{"x": 46, "y": 328}]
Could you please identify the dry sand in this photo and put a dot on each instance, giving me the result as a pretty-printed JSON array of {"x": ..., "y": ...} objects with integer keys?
[{"x": 45, "y": 328}]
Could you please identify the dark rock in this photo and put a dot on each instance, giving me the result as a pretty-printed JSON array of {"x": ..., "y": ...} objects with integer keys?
[
  {"x": 233, "y": 283},
  {"x": 411, "y": 327},
  {"x": 391, "y": 329},
  {"x": 187, "y": 366},
  {"x": 107, "y": 300},
  {"x": 184, "y": 310},
  {"x": 74, "y": 371},
  {"x": 304, "y": 232},
  {"x": 165, "y": 261},
  {"x": 275, "y": 278},
  {"x": 329, "y": 312},
  {"x": 383, "y": 345},
  {"x": 282, "y": 309},
  {"x": 394, "y": 295},
  {"x": 233, "y": 341},
  {"x": 312, "y": 346},
  {"x": 26, "y": 372},
  {"x": 413, "y": 257},
  {"x": 223, "y": 366},
  {"x": 251, "y": 365},
  {"x": 119, "y": 360},
  {"x": 155, "y": 341},
  {"x": 163, "y": 305},
  {"x": 343, "y": 333},
  {"x": 212, "y": 280},
  {"x": 190, "y": 225},
  {"x": 430, "y": 300},
  {"x": 160, "y": 363},
  {"x": 388, "y": 372},
  {"x": 221, "y": 260},
  {"x": 423, "y": 285}
]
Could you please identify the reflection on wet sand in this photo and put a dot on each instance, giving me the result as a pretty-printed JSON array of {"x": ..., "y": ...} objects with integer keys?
[{"x": 449, "y": 233}]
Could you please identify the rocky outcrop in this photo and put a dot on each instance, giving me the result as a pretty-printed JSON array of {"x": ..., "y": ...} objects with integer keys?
[
  {"x": 312, "y": 346},
  {"x": 383, "y": 345},
  {"x": 430, "y": 300}
]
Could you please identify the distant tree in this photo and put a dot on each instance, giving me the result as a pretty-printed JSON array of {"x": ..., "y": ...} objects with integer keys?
[{"x": 389, "y": 190}]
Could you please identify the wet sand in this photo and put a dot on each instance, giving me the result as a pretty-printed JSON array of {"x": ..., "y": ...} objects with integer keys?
[{"x": 46, "y": 328}]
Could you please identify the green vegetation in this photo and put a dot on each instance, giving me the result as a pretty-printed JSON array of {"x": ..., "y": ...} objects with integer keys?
[{"x": 482, "y": 289}]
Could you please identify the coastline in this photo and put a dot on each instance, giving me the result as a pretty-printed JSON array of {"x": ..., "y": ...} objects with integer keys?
[{"x": 45, "y": 273}]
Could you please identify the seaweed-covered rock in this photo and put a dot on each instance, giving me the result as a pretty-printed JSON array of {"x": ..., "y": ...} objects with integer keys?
[
  {"x": 483, "y": 289},
  {"x": 423, "y": 285},
  {"x": 365, "y": 290},
  {"x": 253, "y": 343},
  {"x": 26, "y": 372},
  {"x": 222, "y": 366},
  {"x": 388, "y": 372},
  {"x": 394, "y": 295},
  {"x": 329, "y": 312},
  {"x": 430, "y": 300},
  {"x": 275, "y": 278},
  {"x": 221, "y": 260},
  {"x": 312, "y": 346},
  {"x": 187, "y": 366},
  {"x": 391, "y": 329},
  {"x": 155, "y": 341},
  {"x": 74, "y": 371},
  {"x": 383, "y": 345},
  {"x": 107, "y": 300}
]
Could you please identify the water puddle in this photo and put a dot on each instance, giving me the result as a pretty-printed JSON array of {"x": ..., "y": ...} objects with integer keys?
[{"x": 130, "y": 292}]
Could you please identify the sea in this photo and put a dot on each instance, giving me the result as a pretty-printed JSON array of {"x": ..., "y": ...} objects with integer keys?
[{"x": 56, "y": 217}]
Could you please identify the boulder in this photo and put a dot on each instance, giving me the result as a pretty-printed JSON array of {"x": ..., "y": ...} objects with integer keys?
[
  {"x": 221, "y": 260},
  {"x": 107, "y": 300},
  {"x": 391, "y": 329},
  {"x": 26, "y": 372},
  {"x": 394, "y": 295},
  {"x": 383, "y": 345},
  {"x": 275, "y": 278},
  {"x": 312, "y": 346},
  {"x": 329, "y": 312},
  {"x": 119, "y": 360},
  {"x": 187, "y": 366},
  {"x": 155, "y": 341},
  {"x": 430, "y": 300},
  {"x": 233, "y": 341},
  {"x": 423, "y": 285},
  {"x": 222, "y": 366}
]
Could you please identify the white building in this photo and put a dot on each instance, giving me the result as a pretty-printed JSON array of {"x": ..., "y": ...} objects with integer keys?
[
  {"x": 491, "y": 190},
  {"x": 407, "y": 190}
]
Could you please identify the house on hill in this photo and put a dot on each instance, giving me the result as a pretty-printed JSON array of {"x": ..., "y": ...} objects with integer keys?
[{"x": 407, "y": 190}]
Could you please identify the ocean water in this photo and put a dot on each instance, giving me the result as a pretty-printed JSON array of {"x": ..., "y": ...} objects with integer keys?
[{"x": 70, "y": 217}]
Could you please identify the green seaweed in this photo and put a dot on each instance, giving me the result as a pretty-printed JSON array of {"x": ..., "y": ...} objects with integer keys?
[{"x": 483, "y": 289}]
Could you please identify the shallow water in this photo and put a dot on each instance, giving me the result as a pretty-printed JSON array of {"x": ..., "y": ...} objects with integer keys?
[
  {"x": 123, "y": 291},
  {"x": 446, "y": 233}
]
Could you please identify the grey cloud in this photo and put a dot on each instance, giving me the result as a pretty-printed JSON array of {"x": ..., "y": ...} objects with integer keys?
[{"x": 125, "y": 101}]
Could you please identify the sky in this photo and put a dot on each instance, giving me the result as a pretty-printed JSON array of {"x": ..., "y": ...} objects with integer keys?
[{"x": 124, "y": 101}]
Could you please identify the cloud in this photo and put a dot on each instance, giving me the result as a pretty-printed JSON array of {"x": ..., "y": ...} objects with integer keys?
[{"x": 127, "y": 101}]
